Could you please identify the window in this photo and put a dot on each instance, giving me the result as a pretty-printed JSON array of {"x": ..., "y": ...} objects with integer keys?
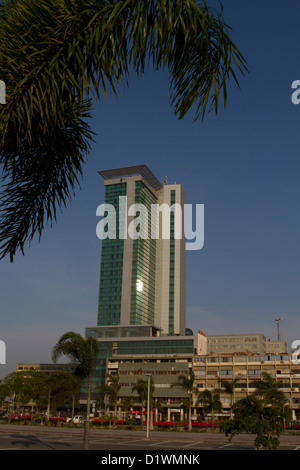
[{"x": 226, "y": 372}]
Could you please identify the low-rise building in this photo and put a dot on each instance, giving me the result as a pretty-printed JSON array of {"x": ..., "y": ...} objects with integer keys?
[
  {"x": 247, "y": 369},
  {"x": 209, "y": 370},
  {"x": 46, "y": 368},
  {"x": 244, "y": 343}
]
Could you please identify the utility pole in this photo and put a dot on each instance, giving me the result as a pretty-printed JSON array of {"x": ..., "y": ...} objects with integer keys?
[{"x": 277, "y": 320}]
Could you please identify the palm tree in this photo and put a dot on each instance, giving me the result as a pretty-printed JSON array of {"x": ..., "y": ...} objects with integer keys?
[
  {"x": 211, "y": 402},
  {"x": 184, "y": 405},
  {"x": 230, "y": 386},
  {"x": 56, "y": 56},
  {"x": 111, "y": 390},
  {"x": 150, "y": 384},
  {"x": 141, "y": 388},
  {"x": 187, "y": 384},
  {"x": 127, "y": 404},
  {"x": 158, "y": 406},
  {"x": 269, "y": 390},
  {"x": 83, "y": 353}
]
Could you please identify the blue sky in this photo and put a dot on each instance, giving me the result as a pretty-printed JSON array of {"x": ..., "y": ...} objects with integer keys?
[{"x": 242, "y": 165}]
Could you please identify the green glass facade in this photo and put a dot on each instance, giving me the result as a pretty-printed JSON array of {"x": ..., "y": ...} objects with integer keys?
[
  {"x": 162, "y": 346},
  {"x": 110, "y": 290},
  {"x": 143, "y": 266},
  {"x": 99, "y": 373},
  {"x": 113, "y": 343},
  {"x": 131, "y": 271}
]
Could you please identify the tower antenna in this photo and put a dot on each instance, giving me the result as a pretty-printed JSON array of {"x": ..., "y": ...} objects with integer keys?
[{"x": 277, "y": 320}]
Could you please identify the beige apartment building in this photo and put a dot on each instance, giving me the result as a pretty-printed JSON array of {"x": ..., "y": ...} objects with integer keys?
[
  {"x": 165, "y": 370},
  {"x": 247, "y": 369},
  {"x": 208, "y": 370},
  {"x": 247, "y": 343}
]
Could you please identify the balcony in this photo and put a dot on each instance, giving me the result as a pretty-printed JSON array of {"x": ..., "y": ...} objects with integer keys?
[{"x": 113, "y": 365}]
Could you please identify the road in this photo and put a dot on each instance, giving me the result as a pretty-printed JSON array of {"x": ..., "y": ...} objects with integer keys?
[{"x": 18, "y": 437}]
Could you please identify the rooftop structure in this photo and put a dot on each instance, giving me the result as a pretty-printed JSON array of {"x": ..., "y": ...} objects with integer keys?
[{"x": 141, "y": 170}]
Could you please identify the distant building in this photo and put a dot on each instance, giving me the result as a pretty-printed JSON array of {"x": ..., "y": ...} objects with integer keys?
[
  {"x": 164, "y": 371},
  {"x": 276, "y": 347},
  {"x": 208, "y": 371},
  {"x": 46, "y": 368},
  {"x": 244, "y": 343},
  {"x": 248, "y": 369},
  {"x": 132, "y": 342}
]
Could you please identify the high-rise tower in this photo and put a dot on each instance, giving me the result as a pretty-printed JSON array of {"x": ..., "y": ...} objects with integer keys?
[{"x": 142, "y": 279}]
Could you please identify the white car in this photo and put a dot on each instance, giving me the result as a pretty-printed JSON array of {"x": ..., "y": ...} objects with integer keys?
[{"x": 77, "y": 419}]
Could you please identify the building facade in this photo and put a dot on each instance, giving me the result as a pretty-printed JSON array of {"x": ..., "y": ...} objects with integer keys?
[
  {"x": 131, "y": 343},
  {"x": 142, "y": 278},
  {"x": 248, "y": 368},
  {"x": 244, "y": 343},
  {"x": 208, "y": 370},
  {"x": 46, "y": 368}
]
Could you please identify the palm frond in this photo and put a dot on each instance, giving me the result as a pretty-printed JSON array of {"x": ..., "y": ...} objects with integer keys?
[{"x": 54, "y": 55}]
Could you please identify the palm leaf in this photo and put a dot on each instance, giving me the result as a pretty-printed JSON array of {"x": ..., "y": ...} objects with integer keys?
[{"x": 55, "y": 54}]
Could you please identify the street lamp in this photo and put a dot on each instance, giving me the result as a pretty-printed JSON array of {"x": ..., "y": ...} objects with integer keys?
[
  {"x": 107, "y": 354},
  {"x": 148, "y": 407}
]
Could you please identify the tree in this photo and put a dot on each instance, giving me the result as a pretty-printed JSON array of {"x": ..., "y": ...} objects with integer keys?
[
  {"x": 184, "y": 405},
  {"x": 127, "y": 404},
  {"x": 83, "y": 353},
  {"x": 187, "y": 384},
  {"x": 141, "y": 388},
  {"x": 111, "y": 390},
  {"x": 72, "y": 389},
  {"x": 210, "y": 399},
  {"x": 26, "y": 386},
  {"x": 269, "y": 390},
  {"x": 150, "y": 384},
  {"x": 36, "y": 385},
  {"x": 62, "y": 386},
  {"x": 158, "y": 406},
  {"x": 16, "y": 386},
  {"x": 229, "y": 386},
  {"x": 263, "y": 413},
  {"x": 56, "y": 56},
  {"x": 4, "y": 392},
  {"x": 252, "y": 416}
]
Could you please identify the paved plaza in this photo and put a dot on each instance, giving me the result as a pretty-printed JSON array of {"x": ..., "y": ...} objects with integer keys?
[{"x": 15, "y": 437}]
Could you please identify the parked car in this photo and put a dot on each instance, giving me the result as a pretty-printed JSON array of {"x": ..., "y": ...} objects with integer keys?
[{"x": 77, "y": 419}]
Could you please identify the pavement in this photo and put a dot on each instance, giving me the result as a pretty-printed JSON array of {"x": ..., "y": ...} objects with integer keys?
[{"x": 20, "y": 437}]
